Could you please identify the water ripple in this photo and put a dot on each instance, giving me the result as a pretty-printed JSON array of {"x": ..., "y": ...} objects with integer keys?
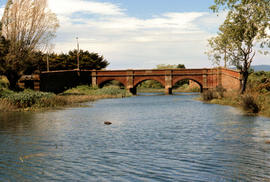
[{"x": 153, "y": 138}]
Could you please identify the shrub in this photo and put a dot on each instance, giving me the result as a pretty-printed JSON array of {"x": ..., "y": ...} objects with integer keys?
[
  {"x": 250, "y": 104},
  {"x": 26, "y": 98},
  {"x": 195, "y": 89},
  {"x": 4, "y": 83},
  {"x": 5, "y": 93},
  {"x": 55, "y": 101},
  {"x": 110, "y": 90},
  {"x": 220, "y": 91},
  {"x": 209, "y": 95},
  {"x": 95, "y": 91}
]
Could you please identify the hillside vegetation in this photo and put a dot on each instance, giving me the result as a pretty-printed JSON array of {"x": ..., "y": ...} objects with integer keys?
[{"x": 256, "y": 99}]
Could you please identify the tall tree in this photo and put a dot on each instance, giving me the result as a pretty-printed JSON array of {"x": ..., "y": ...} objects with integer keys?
[
  {"x": 63, "y": 61},
  {"x": 243, "y": 33},
  {"x": 219, "y": 48},
  {"x": 28, "y": 25}
]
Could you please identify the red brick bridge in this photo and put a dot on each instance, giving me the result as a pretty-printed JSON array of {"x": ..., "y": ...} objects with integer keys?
[
  {"x": 58, "y": 81},
  {"x": 205, "y": 78}
]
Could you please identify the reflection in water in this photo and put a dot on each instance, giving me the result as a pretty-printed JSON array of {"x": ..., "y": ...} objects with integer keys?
[{"x": 159, "y": 138}]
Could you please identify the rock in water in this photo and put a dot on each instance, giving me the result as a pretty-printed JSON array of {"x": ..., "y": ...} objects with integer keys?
[{"x": 107, "y": 122}]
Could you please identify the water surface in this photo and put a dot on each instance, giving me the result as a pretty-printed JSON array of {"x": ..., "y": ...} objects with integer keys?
[{"x": 152, "y": 138}]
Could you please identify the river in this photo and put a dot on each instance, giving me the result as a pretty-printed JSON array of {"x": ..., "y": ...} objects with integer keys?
[{"x": 152, "y": 138}]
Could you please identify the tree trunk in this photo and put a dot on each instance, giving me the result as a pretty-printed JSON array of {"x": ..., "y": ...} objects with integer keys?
[{"x": 244, "y": 83}]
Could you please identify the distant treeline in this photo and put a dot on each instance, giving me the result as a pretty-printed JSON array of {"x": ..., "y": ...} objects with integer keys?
[{"x": 65, "y": 61}]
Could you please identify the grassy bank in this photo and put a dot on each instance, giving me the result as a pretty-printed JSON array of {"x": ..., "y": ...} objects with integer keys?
[
  {"x": 30, "y": 100},
  {"x": 256, "y": 100},
  {"x": 184, "y": 88}
]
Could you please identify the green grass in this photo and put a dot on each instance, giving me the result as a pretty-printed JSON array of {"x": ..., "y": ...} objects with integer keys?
[
  {"x": 33, "y": 100},
  {"x": 88, "y": 90}
]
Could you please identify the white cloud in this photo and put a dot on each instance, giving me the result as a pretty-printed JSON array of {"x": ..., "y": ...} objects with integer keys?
[
  {"x": 130, "y": 42},
  {"x": 67, "y": 7}
]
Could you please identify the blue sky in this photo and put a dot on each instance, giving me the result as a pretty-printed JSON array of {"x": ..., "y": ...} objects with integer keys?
[
  {"x": 148, "y": 8},
  {"x": 133, "y": 34}
]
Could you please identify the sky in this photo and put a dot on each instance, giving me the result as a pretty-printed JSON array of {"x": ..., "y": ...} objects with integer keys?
[{"x": 133, "y": 34}]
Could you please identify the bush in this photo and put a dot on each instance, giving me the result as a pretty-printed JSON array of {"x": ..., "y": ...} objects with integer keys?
[
  {"x": 26, "y": 98},
  {"x": 250, "y": 104},
  {"x": 95, "y": 91},
  {"x": 209, "y": 95},
  {"x": 4, "y": 83},
  {"x": 55, "y": 101},
  {"x": 5, "y": 93},
  {"x": 110, "y": 90},
  {"x": 220, "y": 91}
]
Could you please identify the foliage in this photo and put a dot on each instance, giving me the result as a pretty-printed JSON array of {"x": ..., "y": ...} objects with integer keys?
[
  {"x": 55, "y": 101},
  {"x": 32, "y": 100},
  {"x": 187, "y": 88},
  {"x": 209, "y": 95},
  {"x": 156, "y": 85},
  {"x": 68, "y": 61},
  {"x": 64, "y": 61},
  {"x": 114, "y": 83},
  {"x": 26, "y": 98},
  {"x": 169, "y": 66},
  {"x": 259, "y": 82},
  {"x": 219, "y": 47},
  {"x": 88, "y": 90},
  {"x": 27, "y": 26},
  {"x": 234, "y": 4},
  {"x": 257, "y": 97},
  {"x": 250, "y": 104},
  {"x": 220, "y": 91},
  {"x": 3, "y": 83},
  {"x": 5, "y": 93},
  {"x": 150, "y": 84},
  {"x": 245, "y": 27}
]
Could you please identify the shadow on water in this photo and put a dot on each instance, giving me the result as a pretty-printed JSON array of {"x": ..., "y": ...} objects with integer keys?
[
  {"x": 151, "y": 94},
  {"x": 15, "y": 121},
  {"x": 162, "y": 94}
]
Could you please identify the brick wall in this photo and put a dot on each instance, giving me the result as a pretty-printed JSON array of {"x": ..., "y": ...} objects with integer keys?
[{"x": 231, "y": 79}]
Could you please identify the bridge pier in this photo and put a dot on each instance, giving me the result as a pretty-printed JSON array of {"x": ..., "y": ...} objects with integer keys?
[
  {"x": 94, "y": 78},
  {"x": 168, "y": 91},
  {"x": 133, "y": 91},
  {"x": 168, "y": 82}
]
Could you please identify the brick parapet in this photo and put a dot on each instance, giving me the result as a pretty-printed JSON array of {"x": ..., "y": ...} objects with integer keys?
[{"x": 206, "y": 78}]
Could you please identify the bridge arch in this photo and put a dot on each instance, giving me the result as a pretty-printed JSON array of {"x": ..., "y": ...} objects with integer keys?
[
  {"x": 102, "y": 82},
  {"x": 196, "y": 80},
  {"x": 140, "y": 80}
]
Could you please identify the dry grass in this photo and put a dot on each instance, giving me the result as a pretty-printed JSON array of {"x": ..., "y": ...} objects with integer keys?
[
  {"x": 251, "y": 102},
  {"x": 256, "y": 100},
  {"x": 5, "y": 105}
]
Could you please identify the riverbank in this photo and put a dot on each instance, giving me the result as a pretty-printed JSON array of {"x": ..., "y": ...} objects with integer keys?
[
  {"x": 183, "y": 88},
  {"x": 255, "y": 101},
  {"x": 30, "y": 100}
]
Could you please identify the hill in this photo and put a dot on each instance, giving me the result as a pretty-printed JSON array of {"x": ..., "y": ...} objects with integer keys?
[{"x": 261, "y": 67}]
